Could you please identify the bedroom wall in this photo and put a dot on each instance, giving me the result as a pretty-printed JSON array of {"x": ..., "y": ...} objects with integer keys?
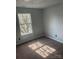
[
  {"x": 53, "y": 22},
  {"x": 37, "y": 24}
]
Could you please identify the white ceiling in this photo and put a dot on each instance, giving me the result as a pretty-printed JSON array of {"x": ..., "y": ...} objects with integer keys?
[{"x": 37, "y": 3}]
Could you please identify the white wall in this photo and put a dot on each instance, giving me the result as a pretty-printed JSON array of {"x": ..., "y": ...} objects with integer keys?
[
  {"x": 37, "y": 24},
  {"x": 53, "y": 22},
  {"x": 48, "y": 21}
]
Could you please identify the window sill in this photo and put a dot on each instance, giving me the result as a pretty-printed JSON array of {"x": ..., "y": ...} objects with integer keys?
[{"x": 26, "y": 34}]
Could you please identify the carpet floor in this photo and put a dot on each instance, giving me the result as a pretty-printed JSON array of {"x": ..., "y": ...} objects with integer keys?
[{"x": 42, "y": 48}]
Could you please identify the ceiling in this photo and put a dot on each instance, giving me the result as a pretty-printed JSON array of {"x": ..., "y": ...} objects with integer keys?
[{"x": 37, "y": 3}]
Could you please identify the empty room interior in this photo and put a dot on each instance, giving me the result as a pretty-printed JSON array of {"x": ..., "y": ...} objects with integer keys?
[{"x": 39, "y": 29}]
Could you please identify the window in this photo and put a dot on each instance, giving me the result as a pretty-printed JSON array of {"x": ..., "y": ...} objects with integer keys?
[{"x": 25, "y": 23}]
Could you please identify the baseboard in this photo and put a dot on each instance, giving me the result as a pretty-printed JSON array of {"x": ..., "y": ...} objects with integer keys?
[
  {"x": 29, "y": 39},
  {"x": 56, "y": 39},
  {"x": 37, "y": 37}
]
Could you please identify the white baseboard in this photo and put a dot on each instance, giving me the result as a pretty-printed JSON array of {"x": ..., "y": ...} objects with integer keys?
[
  {"x": 29, "y": 38},
  {"x": 56, "y": 39}
]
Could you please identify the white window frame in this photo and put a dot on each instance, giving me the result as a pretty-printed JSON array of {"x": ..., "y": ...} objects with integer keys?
[{"x": 26, "y": 23}]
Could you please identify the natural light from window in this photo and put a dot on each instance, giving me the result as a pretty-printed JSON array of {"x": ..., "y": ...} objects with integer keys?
[
  {"x": 25, "y": 23},
  {"x": 41, "y": 49}
]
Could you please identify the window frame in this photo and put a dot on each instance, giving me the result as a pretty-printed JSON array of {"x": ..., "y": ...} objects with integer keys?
[{"x": 22, "y": 34}]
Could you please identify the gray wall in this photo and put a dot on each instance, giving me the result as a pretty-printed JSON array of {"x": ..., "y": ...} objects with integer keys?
[
  {"x": 53, "y": 22},
  {"x": 37, "y": 24}
]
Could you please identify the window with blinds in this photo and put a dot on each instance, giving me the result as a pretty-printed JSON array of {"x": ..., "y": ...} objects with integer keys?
[{"x": 25, "y": 23}]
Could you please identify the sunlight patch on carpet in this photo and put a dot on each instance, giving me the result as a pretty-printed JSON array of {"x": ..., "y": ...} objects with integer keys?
[{"x": 41, "y": 49}]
